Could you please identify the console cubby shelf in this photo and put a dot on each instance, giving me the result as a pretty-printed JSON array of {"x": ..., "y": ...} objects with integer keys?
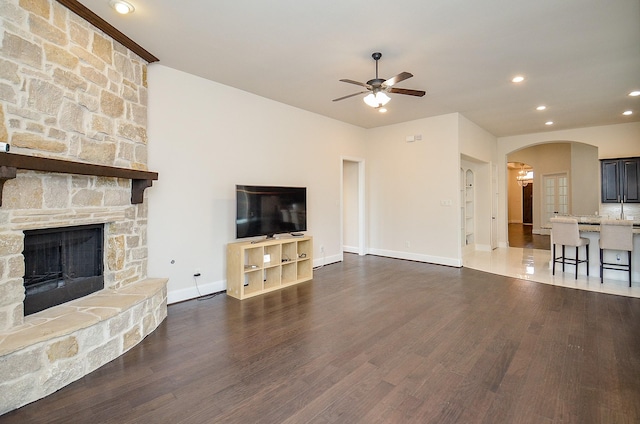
[{"x": 254, "y": 268}]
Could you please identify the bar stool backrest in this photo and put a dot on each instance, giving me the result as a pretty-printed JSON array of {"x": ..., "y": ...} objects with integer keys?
[
  {"x": 565, "y": 231},
  {"x": 616, "y": 234}
]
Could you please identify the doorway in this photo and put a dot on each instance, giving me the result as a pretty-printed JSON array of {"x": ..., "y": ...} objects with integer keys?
[
  {"x": 520, "y": 177},
  {"x": 527, "y": 204},
  {"x": 352, "y": 206}
]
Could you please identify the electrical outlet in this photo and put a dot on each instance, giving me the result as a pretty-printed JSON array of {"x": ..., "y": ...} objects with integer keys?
[
  {"x": 321, "y": 249},
  {"x": 407, "y": 243}
]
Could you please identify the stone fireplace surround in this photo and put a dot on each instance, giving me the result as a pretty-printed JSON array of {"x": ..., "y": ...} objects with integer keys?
[
  {"x": 69, "y": 91},
  {"x": 43, "y": 352}
]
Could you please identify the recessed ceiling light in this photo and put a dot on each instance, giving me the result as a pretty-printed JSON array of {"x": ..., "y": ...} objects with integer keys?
[
  {"x": 635, "y": 93},
  {"x": 541, "y": 107},
  {"x": 518, "y": 78},
  {"x": 549, "y": 123},
  {"x": 627, "y": 112},
  {"x": 122, "y": 7}
]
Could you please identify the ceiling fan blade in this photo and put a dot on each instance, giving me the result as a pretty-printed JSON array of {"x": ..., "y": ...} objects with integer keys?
[
  {"x": 418, "y": 93},
  {"x": 361, "y": 84},
  {"x": 350, "y": 95},
  {"x": 394, "y": 80}
]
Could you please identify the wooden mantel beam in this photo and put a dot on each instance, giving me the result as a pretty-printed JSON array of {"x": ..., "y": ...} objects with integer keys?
[
  {"x": 10, "y": 163},
  {"x": 89, "y": 16}
]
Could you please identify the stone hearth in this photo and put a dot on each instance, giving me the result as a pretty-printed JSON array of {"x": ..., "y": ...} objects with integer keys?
[{"x": 61, "y": 344}]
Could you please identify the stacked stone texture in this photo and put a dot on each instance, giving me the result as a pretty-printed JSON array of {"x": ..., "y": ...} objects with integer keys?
[
  {"x": 70, "y": 92},
  {"x": 89, "y": 334}
]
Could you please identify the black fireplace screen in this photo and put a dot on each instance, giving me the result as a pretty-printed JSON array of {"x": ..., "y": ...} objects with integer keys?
[{"x": 61, "y": 264}]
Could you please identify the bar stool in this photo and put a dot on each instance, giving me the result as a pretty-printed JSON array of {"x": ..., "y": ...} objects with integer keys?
[
  {"x": 564, "y": 231},
  {"x": 616, "y": 235}
]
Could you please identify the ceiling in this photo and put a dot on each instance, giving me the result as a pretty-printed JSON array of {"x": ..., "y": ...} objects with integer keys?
[{"x": 580, "y": 58}]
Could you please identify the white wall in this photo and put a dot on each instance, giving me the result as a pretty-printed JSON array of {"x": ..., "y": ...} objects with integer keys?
[
  {"x": 612, "y": 141},
  {"x": 476, "y": 142},
  {"x": 407, "y": 182},
  {"x": 585, "y": 179},
  {"x": 204, "y": 139}
]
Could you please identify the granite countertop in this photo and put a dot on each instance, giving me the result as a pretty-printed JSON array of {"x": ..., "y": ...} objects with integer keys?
[
  {"x": 595, "y": 220},
  {"x": 591, "y": 223}
]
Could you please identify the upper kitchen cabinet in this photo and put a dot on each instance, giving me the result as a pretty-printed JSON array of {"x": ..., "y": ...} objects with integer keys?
[{"x": 620, "y": 180}]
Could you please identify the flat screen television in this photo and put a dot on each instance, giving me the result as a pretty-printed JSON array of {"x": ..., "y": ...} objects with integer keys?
[{"x": 270, "y": 210}]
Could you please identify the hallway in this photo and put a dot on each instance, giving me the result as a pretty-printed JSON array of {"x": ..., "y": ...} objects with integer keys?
[{"x": 520, "y": 235}]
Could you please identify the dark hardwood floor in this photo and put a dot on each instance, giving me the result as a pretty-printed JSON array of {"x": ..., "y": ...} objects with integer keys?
[
  {"x": 374, "y": 340},
  {"x": 521, "y": 235}
]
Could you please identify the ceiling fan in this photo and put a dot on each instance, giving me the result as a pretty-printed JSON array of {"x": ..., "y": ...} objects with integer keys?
[{"x": 377, "y": 88}]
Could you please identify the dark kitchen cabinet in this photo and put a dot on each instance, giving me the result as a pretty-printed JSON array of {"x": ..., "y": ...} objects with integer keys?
[{"x": 620, "y": 180}]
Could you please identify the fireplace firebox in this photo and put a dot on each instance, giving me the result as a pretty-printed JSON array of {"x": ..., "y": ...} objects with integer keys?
[{"x": 62, "y": 264}]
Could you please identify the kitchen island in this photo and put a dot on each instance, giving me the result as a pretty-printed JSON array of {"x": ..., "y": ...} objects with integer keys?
[{"x": 589, "y": 227}]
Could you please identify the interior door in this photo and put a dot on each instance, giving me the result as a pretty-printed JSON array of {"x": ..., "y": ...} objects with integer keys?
[
  {"x": 527, "y": 204},
  {"x": 556, "y": 196}
]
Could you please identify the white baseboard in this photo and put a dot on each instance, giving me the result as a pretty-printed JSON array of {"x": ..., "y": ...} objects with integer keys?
[
  {"x": 350, "y": 249},
  {"x": 483, "y": 247},
  {"x": 439, "y": 260},
  {"x": 326, "y": 260},
  {"x": 175, "y": 296}
]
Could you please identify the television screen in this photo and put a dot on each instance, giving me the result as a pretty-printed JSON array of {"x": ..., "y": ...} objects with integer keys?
[{"x": 269, "y": 210}]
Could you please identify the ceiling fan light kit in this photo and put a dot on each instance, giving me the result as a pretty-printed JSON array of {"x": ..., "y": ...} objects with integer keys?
[
  {"x": 378, "y": 87},
  {"x": 376, "y": 100}
]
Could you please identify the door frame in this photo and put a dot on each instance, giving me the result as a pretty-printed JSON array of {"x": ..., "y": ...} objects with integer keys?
[
  {"x": 361, "y": 204},
  {"x": 494, "y": 205},
  {"x": 527, "y": 205}
]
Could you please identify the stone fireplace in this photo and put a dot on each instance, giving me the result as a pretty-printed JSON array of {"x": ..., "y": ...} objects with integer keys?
[{"x": 70, "y": 93}]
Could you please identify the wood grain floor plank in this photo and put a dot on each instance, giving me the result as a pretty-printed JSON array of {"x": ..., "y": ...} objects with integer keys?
[
  {"x": 341, "y": 388},
  {"x": 374, "y": 340}
]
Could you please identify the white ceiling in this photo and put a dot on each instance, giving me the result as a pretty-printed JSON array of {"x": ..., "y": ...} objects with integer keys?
[{"x": 581, "y": 58}]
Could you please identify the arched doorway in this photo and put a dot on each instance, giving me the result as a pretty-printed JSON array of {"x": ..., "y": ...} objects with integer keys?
[{"x": 564, "y": 181}]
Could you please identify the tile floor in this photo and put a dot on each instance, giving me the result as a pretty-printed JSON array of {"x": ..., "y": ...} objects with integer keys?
[{"x": 534, "y": 265}]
